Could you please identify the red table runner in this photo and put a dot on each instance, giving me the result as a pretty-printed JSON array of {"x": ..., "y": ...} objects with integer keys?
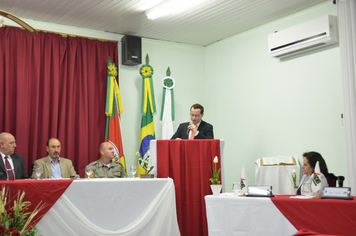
[
  {"x": 324, "y": 216},
  {"x": 188, "y": 163},
  {"x": 48, "y": 191}
]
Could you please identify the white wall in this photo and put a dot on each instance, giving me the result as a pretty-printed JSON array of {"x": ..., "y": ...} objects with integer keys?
[
  {"x": 259, "y": 105},
  {"x": 187, "y": 68},
  {"x": 272, "y": 107}
]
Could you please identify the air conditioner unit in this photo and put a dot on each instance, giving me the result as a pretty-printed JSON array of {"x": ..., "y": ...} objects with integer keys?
[{"x": 304, "y": 37}]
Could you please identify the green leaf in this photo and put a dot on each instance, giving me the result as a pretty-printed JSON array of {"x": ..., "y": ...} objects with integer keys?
[
  {"x": 151, "y": 168},
  {"x": 168, "y": 72},
  {"x": 218, "y": 172}
]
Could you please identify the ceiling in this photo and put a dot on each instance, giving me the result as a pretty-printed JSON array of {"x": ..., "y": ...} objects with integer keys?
[{"x": 209, "y": 22}]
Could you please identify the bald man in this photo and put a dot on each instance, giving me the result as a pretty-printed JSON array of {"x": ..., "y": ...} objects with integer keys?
[
  {"x": 16, "y": 163},
  {"x": 105, "y": 167}
]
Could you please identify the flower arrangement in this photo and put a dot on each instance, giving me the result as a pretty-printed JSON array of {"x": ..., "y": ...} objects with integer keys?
[
  {"x": 15, "y": 220},
  {"x": 215, "y": 179},
  {"x": 294, "y": 176}
]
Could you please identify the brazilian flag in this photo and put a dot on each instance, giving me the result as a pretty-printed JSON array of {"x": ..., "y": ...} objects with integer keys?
[{"x": 148, "y": 109}]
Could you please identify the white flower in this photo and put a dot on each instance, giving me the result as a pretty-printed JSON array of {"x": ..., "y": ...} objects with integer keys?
[
  {"x": 216, "y": 160},
  {"x": 294, "y": 172}
]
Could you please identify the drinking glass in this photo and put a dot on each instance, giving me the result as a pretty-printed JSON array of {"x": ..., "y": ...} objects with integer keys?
[
  {"x": 306, "y": 189},
  {"x": 133, "y": 170},
  {"x": 89, "y": 170},
  {"x": 38, "y": 172},
  {"x": 236, "y": 188}
]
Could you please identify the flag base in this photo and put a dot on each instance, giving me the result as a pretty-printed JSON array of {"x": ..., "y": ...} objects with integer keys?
[{"x": 147, "y": 176}]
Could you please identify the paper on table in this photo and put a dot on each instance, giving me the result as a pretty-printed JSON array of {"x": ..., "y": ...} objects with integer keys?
[
  {"x": 302, "y": 197},
  {"x": 226, "y": 194}
]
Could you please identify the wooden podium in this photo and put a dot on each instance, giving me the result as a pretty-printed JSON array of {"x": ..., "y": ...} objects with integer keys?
[{"x": 188, "y": 163}]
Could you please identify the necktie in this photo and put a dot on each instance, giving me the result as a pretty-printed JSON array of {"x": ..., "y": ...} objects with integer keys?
[
  {"x": 191, "y": 135},
  {"x": 9, "y": 169}
]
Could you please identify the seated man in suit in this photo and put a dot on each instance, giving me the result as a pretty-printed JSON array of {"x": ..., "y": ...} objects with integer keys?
[
  {"x": 53, "y": 166},
  {"x": 105, "y": 167},
  {"x": 12, "y": 165},
  {"x": 197, "y": 128}
]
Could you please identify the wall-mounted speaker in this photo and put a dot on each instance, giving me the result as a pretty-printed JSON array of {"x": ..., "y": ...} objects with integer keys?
[{"x": 131, "y": 50}]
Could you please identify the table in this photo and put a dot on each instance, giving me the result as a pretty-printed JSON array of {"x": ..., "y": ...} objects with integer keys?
[
  {"x": 279, "y": 177},
  {"x": 188, "y": 163},
  {"x": 45, "y": 193},
  {"x": 231, "y": 215},
  {"x": 107, "y": 207}
]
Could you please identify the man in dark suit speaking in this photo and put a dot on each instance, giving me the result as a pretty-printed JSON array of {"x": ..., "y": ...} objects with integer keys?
[
  {"x": 197, "y": 128},
  {"x": 12, "y": 165}
]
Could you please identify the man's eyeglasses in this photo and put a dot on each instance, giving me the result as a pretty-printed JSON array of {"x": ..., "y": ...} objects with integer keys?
[{"x": 197, "y": 116}]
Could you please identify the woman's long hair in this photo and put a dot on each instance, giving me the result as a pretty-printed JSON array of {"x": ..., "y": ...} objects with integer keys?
[{"x": 312, "y": 158}]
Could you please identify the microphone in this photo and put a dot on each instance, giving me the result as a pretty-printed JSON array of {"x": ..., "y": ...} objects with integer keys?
[{"x": 191, "y": 122}]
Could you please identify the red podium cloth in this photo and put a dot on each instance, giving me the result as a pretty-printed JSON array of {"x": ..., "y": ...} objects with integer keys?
[
  {"x": 188, "y": 163},
  {"x": 323, "y": 216},
  {"x": 47, "y": 191}
]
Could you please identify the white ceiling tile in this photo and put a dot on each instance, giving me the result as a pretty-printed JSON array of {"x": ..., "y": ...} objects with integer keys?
[{"x": 209, "y": 22}]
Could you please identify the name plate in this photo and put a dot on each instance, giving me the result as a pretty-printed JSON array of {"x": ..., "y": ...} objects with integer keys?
[
  {"x": 260, "y": 190},
  {"x": 340, "y": 192}
]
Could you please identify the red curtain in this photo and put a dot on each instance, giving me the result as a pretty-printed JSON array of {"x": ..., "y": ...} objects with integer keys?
[{"x": 54, "y": 86}]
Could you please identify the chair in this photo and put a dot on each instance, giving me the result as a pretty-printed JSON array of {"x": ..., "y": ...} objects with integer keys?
[
  {"x": 30, "y": 170},
  {"x": 333, "y": 180},
  {"x": 340, "y": 180}
]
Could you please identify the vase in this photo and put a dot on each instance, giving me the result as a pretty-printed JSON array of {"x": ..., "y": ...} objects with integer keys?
[
  {"x": 294, "y": 191},
  {"x": 216, "y": 189}
]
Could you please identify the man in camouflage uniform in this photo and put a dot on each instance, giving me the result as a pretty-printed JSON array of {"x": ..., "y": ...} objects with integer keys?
[{"x": 105, "y": 167}]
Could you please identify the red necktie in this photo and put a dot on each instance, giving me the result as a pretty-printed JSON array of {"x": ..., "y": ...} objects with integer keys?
[
  {"x": 9, "y": 169},
  {"x": 191, "y": 135}
]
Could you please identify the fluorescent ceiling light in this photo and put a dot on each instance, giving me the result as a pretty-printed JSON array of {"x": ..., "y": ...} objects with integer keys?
[{"x": 169, "y": 7}]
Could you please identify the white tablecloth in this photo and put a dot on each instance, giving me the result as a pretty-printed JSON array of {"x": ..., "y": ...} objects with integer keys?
[
  {"x": 231, "y": 215},
  {"x": 279, "y": 177},
  {"x": 113, "y": 207}
]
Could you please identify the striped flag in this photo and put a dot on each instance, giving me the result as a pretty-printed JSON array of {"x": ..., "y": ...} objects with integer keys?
[
  {"x": 112, "y": 111},
  {"x": 243, "y": 183},
  {"x": 167, "y": 112},
  {"x": 316, "y": 182},
  {"x": 148, "y": 109}
]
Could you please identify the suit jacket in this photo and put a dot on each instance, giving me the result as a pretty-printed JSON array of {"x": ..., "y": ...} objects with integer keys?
[
  {"x": 205, "y": 131},
  {"x": 19, "y": 167},
  {"x": 65, "y": 164}
]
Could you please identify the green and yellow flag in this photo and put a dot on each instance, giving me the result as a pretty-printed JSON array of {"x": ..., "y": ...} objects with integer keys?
[
  {"x": 112, "y": 110},
  {"x": 148, "y": 109}
]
